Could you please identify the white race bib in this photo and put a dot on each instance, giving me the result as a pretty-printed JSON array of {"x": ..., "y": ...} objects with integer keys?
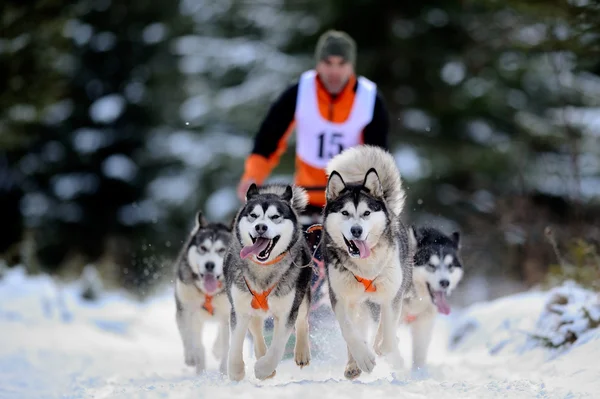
[{"x": 317, "y": 139}]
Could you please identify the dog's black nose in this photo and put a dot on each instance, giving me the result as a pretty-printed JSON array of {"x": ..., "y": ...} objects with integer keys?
[
  {"x": 444, "y": 283},
  {"x": 261, "y": 228},
  {"x": 209, "y": 266},
  {"x": 356, "y": 231}
]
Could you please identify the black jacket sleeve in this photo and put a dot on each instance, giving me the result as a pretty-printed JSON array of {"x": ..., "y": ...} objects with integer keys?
[
  {"x": 276, "y": 123},
  {"x": 377, "y": 131}
]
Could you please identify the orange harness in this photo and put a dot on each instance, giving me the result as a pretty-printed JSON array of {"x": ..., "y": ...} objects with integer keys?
[
  {"x": 368, "y": 284},
  {"x": 270, "y": 262},
  {"x": 259, "y": 299},
  {"x": 208, "y": 305}
]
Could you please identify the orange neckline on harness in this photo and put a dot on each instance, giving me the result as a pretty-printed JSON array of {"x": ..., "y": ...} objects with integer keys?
[
  {"x": 368, "y": 284},
  {"x": 270, "y": 262},
  {"x": 259, "y": 300},
  {"x": 208, "y": 306}
]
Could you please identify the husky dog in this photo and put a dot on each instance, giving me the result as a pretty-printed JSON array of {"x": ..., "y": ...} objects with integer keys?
[
  {"x": 437, "y": 272},
  {"x": 267, "y": 272},
  {"x": 200, "y": 291},
  {"x": 367, "y": 251}
]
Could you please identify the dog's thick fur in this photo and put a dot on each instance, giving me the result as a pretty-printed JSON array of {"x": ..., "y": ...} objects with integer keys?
[
  {"x": 437, "y": 272},
  {"x": 365, "y": 240},
  {"x": 259, "y": 262},
  {"x": 200, "y": 291}
]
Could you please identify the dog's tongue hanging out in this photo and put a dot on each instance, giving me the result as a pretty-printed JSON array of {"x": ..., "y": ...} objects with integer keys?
[
  {"x": 439, "y": 297},
  {"x": 259, "y": 245},
  {"x": 210, "y": 282},
  {"x": 363, "y": 248}
]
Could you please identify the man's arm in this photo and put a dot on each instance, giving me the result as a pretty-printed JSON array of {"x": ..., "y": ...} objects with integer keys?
[
  {"x": 271, "y": 140},
  {"x": 376, "y": 132}
]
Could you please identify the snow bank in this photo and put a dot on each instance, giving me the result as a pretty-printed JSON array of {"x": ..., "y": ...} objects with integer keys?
[{"x": 56, "y": 344}]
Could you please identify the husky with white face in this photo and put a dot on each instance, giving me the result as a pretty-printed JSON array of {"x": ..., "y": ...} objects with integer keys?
[
  {"x": 438, "y": 270},
  {"x": 267, "y": 272},
  {"x": 367, "y": 250},
  {"x": 200, "y": 291}
]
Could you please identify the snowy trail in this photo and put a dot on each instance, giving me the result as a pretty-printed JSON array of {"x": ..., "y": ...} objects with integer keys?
[{"x": 121, "y": 349}]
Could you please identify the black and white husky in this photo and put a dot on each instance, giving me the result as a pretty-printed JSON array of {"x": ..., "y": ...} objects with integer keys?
[
  {"x": 200, "y": 291},
  {"x": 437, "y": 272},
  {"x": 267, "y": 272},
  {"x": 367, "y": 250}
]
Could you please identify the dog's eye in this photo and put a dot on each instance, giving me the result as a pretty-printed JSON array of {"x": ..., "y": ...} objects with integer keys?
[
  {"x": 253, "y": 215},
  {"x": 275, "y": 217},
  {"x": 345, "y": 213},
  {"x": 203, "y": 248},
  {"x": 221, "y": 250},
  {"x": 367, "y": 213}
]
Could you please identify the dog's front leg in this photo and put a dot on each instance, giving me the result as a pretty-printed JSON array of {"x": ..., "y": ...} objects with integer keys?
[
  {"x": 223, "y": 342},
  {"x": 266, "y": 365},
  {"x": 183, "y": 325},
  {"x": 388, "y": 324},
  {"x": 359, "y": 351},
  {"x": 239, "y": 326},
  {"x": 421, "y": 330}
]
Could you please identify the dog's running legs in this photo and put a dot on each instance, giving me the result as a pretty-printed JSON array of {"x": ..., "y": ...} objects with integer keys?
[
  {"x": 265, "y": 366},
  {"x": 239, "y": 327},
  {"x": 358, "y": 351},
  {"x": 421, "y": 330},
  {"x": 196, "y": 329},
  {"x": 302, "y": 347},
  {"x": 256, "y": 329},
  {"x": 183, "y": 325},
  {"x": 223, "y": 342}
]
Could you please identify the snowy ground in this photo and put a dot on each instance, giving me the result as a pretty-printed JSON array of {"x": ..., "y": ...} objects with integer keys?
[{"x": 118, "y": 348}]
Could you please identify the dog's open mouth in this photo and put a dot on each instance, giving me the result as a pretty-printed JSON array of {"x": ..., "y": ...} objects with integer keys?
[
  {"x": 261, "y": 247},
  {"x": 211, "y": 282},
  {"x": 357, "y": 248},
  {"x": 439, "y": 300}
]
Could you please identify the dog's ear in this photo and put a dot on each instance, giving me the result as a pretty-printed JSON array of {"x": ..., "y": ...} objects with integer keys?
[
  {"x": 456, "y": 239},
  {"x": 335, "y": 185},
  {"x": 372, "y": 183},
  {"x": 252, "y": 191},
  {"x": 288, "y": 194},
  {"x": 201, "y": 222}
]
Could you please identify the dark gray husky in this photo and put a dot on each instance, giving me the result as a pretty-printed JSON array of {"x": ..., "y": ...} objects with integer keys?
[
  {"x": 200, "y": 291},
  {"x": 268, "y": 268}
]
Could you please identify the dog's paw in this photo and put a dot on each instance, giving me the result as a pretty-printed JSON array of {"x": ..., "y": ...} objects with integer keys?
[
  {"x": 352, "y": 371},
  {"x": 217, "y": 350},
  {"x": 386, "y": 347},
  {"x": 395, "y": 359},
  {"x": 189, "y": 358},
  {"x": 364, "y": 357},
  {"x": 223, "y": 367},
  {"x": 264, "y": 368},
  {"x": 236, "y": 371},
  {"x": 302, "y": 355}
]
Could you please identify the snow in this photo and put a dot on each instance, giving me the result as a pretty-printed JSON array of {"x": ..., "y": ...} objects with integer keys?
[
  {"x": 107, "y": 109},
  {"x": 58, "y": 345},
  {"x": 119, "y": 166}
]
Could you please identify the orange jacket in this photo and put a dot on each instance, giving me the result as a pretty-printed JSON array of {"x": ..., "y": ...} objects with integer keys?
[{"x": 271, "y": 141}]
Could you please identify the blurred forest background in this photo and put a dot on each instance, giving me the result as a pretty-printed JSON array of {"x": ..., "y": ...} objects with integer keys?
[{"x": 118, "y": 121}]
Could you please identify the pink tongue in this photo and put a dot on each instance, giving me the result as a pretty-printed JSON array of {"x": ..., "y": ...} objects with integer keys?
[
  {"x": 439, "y": 297},
  {"x": 363, "y": 248},
  {"x": 256, "y": 248},
  {"x": 210, "y": 283}
]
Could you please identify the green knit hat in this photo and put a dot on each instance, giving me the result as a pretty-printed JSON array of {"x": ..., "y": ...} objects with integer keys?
[{"x": 335, "y": 42}]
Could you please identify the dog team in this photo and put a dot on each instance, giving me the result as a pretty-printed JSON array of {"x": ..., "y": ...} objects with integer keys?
[{"x": 379, "y": 271}]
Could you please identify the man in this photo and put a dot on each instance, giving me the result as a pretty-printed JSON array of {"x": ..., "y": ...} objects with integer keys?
[{"x": 331, "y": 109}]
